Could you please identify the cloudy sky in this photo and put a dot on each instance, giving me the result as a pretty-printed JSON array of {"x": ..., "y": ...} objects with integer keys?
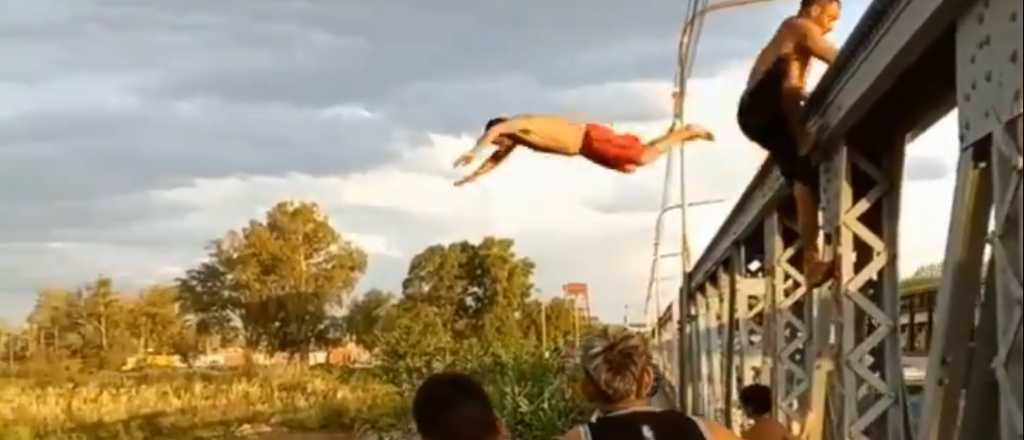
[{"x": 133, "y": 132}]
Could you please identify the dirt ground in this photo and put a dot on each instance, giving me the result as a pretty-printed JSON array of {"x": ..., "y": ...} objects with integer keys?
[{"x": 306, "y": 436}]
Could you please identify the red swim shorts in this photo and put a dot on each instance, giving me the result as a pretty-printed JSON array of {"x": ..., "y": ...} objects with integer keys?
[{"x": 606, "y": 148}]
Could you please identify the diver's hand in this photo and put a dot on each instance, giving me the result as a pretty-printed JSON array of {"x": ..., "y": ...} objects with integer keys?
[{"x": 464, "y": 160}]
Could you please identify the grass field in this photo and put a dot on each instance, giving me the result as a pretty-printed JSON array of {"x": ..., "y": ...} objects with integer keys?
[{"x": 197, "y": 405}]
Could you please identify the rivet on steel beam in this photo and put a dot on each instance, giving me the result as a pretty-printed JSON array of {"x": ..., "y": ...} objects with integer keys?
[
  {"x": 981, "y": 18},
  {"x": 1013, "y": 57},
  {"x": 973, "y": 58},
  {"x": 1013, "y": 17},
  {"x": 974, "y": 84},
  {"x": 988, "y": 76}
]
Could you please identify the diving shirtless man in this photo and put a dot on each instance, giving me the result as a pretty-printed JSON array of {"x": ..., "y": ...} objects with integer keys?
[
  {"x": 771, "y": 114},
  {"x": 556, "y": 135}
]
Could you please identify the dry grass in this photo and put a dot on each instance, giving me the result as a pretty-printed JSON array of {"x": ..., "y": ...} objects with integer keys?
[{"x": 190, "y": 406}]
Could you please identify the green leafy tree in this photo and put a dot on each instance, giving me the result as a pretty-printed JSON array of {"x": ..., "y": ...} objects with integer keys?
[
  {"x": 154, "y": 320},
  {"x": 103, "y": 320},
  {"x": 416, "y": 344},
  {"x": 102, "y": 310},
  {"x": 280, "y": 279},
  {"x": 483, "y": 288},
  {"x": 555, "y": 322},
  {"x": 54, "y": 324},
  {"x": 925, "y": 277},
  {"x": 8, "y": 343},
  {"x": 365, "y": 316}
]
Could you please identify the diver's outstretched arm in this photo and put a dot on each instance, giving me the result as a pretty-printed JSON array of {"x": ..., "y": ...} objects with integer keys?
[{"x": 492, "y": 162}]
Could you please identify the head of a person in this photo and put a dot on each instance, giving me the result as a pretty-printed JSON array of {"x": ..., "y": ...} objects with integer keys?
[
  {"x": 453, "y": 406},
  {"x": 756, "y": 401},
  {"x": 617, "y": 367},
  {"x": 501, "y": 141},
  {"x": 824, "y": 13}
]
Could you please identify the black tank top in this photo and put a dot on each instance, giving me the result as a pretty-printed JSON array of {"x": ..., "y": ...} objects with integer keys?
[{"x": 644, "y": 425}]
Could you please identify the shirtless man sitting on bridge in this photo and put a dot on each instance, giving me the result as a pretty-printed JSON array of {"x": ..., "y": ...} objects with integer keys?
[
  {"x": 556, "y": 135},
  {"x": 771, "y": 114}
]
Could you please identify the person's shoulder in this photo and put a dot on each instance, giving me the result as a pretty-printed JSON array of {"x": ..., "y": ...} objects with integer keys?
[
  {"x": 574, "y": 434},
  {"x": 719, "y": 432},
  {"x": 799, "y": 25}
]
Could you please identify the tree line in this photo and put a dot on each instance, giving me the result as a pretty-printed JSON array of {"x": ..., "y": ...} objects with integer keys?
[{"x": 285, "y": 283}]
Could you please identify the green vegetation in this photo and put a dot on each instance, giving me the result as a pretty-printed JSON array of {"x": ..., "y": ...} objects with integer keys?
[{"x": 282, "y": 285}]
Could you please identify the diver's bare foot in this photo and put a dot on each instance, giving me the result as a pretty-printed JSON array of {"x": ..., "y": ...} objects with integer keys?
[{"x": 701, "y": 132}]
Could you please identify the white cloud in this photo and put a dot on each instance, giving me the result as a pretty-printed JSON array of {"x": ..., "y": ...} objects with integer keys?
[{"x": 347, "y": 112}]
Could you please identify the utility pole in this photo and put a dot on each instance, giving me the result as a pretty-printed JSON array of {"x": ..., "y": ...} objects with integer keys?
[
  {"x": 544, "y": 328},
  {"x": 575, "y": 324}
]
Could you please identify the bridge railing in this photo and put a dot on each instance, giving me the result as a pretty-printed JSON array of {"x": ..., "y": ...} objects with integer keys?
[{"x": 833, "y": 356}]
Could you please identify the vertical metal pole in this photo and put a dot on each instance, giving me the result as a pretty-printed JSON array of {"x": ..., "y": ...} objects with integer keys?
[
  {"x": 702, "y": 353},
  {"x": 979, "y": 406},
  {"x": 684, "y": 346},
  {"x": 958, "y": 294},
  {"x": 845, "y": 254},
  {"x": 891, "y": 162},
  {"x": 576, "y": 323},
  {"x": 727, "y": 277},
  {"x": 715, "y": 306},
  {"x": 772, "y": 330}
]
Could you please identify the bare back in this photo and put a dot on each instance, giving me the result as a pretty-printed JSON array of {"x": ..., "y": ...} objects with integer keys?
[
  {"x": 548, "y": 134},
  {"x": 795, "y": 43},
  {"x": 767, "y": 429},
  {"x": 785, "y": 45}
]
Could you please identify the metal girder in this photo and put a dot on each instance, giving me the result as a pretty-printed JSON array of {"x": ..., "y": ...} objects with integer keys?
[
  {"x": 989, "y": 81},
  {"x": 773, "y": 248},
  {"x": 976, "y": 422},
  {"x": 751, "y": 305},
  {"x": 889, "y": 44},
  {"x": 703, "y": 356},
  {"x": 790, "y": 328},
  {"x": 872, "y": 370},
  {"x": 727, "y": 279},
  {"x": 957, "y": 298}
]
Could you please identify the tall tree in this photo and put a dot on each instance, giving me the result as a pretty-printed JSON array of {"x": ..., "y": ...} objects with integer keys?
[
  {"x": 103, "y": 309},
  {"x": 483, "y": 288},
  {"x": 54, "y": 322},
  {"x": 554, "y": 323},
  {"x": 365, "y": 316},
  {"x": 279, "y": 279},
  {"x": 154, "y": 319},
  {"x": 7, "y": 341}
]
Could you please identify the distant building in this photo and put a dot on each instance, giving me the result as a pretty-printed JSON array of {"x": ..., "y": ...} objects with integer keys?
[{"x": 348, "y": 355}]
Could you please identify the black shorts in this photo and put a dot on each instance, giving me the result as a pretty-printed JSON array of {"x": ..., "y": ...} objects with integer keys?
[{"x": 762, "y": 120}]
